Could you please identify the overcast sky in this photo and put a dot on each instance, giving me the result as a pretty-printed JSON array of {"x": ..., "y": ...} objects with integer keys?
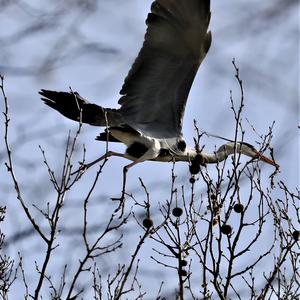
[{"x": 56, "y": 44}]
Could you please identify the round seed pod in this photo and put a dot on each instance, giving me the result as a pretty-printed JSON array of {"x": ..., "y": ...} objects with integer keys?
[
  {"x": 147, "y": 223},
  {"x": 177, "y": 212},
  {"x": 296, "y": 235},
  {"x": 226, "y": 229},
  {"x": 192, "y": 180},
  {"x": 183, "y": 272},
  {"x": 194, "y": 168},
  {"x": 238, "y": 208},
  {"x": 183, "y": 262}
]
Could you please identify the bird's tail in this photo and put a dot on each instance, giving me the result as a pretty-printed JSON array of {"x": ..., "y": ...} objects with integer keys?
[{"x": 76, "y": 108}]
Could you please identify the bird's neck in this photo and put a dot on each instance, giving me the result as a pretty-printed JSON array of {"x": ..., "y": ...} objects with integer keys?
[
  {"x": 190, "y": 153},
  {"x": 221, "y": 154},
  {"x": 216, "y": 157}
]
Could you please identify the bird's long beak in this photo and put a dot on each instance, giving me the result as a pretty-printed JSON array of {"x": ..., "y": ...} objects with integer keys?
[{"x": 267, "y": 160}]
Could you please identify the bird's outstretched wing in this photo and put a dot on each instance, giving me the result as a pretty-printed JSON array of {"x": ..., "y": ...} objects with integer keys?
[
  {"x": 157, "y": 86},
  {"x": 75, "y": 107}
]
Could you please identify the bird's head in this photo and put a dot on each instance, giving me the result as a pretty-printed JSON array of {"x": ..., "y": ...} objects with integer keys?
[{"x": 246, "y": 149}]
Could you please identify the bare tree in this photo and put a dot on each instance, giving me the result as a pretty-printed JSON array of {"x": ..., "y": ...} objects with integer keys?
[
  {"x": 228, "y": 232},
  {"x": 8, "y": 270},
  {"x": 217, "y": 242}
]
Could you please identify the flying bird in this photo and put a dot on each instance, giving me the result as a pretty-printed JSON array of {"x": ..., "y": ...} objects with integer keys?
[{"x": 154, "y": 94}]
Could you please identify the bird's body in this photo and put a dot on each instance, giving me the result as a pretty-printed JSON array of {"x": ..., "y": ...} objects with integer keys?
[{"x": 155, "y": 91}]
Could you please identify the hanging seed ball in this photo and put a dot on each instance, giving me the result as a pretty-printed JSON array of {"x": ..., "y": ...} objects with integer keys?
[
  {"x": 183, "y": 262},
  {"x": 147, "y": 223},
  {"x": 238, "y": 208},
  {"x": 183, "y": 272},
  {"x": 226, "y": 229},
  {"x": 194, "y": 168},
  {"x": 296, "y": 235},
  {"x": 177, "y": 211},
  {"x": 192, "y": 180}
]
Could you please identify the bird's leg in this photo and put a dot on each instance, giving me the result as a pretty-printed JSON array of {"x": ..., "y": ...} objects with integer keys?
[
  {"x": 83, "y": 167},
  {"x": 122, "y": 198},
  {"x": 150, "y": 154}
]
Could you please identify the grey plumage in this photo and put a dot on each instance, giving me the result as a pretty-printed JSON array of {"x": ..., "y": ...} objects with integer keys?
[
  {"x": 155, "y": 91},
  {"x": 74, "y": 107},
  {"x": 156, "y": 88}
]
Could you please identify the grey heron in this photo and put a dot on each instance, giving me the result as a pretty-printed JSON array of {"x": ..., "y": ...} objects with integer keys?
[{"x": 154, "y": 94}]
